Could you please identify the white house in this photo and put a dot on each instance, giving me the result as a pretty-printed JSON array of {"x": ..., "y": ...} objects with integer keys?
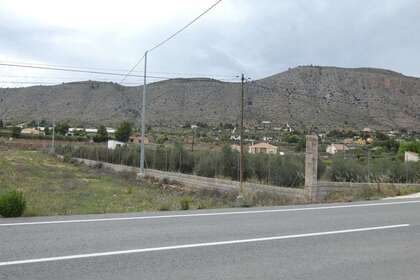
[
  {"x": 110, "y": 130},
  {"x": 262, "y": 148},
  {"x": 410, "y": 156},
  {"x": 235, "y": 138},
  {"x": 30, "y": 131},
  {"x": 113, "y": 144},
  {"x": 91, "y": 130},
  {"x": 334, "y": 148}
]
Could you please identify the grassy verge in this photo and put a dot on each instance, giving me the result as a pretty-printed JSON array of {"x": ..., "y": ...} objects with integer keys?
[
  {"x": 370, "y": 193},
  {"x": 52, "y": 187}
]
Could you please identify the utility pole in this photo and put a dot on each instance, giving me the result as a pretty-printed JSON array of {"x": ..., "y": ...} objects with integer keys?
[
  {"x": 143, "y": 117},
  {"x": 241, "y": 157},
  {"x": 53, "y": 138},
  {"x": 368, "y": 164},
  {"x": 192, "y": 142}
]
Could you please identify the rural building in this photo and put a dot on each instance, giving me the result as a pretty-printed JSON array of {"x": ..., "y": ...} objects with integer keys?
[
  {"x": 266, "y": 124},
  {"x": 235, "y": 147},
  {"x": 30, "y": 131},
  {"x": 411, "y": 157},
  {"x": 335, "y": 148},
  {"x": 262, "y": 148},
  {"x": 110, "y": 130},
  {"x": 91, "y": 130},
  {"x": 235, "y": 138},
  {"x": 360, "y": 141},
  {"x": 113, "y": 144},
  {"x": 136, "y": 139},
  {"x": 348, "y": 141}
]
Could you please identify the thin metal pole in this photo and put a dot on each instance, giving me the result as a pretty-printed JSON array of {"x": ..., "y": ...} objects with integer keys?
[
  {"x": 241, "y": 160},
  {"x": 368, "y": 163},
  {"x": 143, "y": 117},
  {"x": 53, "y": 138}
]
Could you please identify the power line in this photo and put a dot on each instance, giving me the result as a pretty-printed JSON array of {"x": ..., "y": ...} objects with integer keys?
[
  {"x": 171, "y": 37},
  {"x": 185, "y": 27},
  {"x": 99, "y": 72},
  {"x": 132, "y": 69},
  {"x": 117, "y": 70},
  {"x": 75, "y": 70}
]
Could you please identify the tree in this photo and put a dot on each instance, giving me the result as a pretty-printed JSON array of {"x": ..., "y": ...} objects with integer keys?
[
  {"x": 408, "y": 146},
  {"x": 124, "y": 131},
  {"x": 1, "y": 124},
  {"x": 16, "y": 132},
  {"x": 102, "y": 135},
  {"x": 229, "y": 162},
  {"x": 62, "y": 128},
  {"x": 47, "y": 130}
]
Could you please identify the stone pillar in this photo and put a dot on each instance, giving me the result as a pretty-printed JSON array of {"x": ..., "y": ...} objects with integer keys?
[{"x": 311, "y": 167}]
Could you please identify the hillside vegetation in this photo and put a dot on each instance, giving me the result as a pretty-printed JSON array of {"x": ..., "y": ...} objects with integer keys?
[{"x": 305, "y": 97}]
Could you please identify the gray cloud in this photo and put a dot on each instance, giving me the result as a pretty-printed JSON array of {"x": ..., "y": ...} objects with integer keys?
[{"x": 260, "y": 38}]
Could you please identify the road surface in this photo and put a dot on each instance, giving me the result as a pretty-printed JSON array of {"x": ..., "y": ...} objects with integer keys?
[{"x": 364, "y": 240}]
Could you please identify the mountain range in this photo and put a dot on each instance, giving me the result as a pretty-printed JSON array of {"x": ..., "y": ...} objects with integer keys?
[{"x": 304, "y": 97}]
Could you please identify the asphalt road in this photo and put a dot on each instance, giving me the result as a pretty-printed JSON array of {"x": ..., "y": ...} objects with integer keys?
[{"x": 366, "y": 240}]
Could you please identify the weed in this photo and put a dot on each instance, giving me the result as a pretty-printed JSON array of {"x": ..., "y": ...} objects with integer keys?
[{"x": 12, "y": 204}]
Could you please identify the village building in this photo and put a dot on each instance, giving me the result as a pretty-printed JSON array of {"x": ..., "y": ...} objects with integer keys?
[
  {"x": 113, "y": 144},
  {"x": 348, "y": 141},
  {"x": 335, "y": 148},
  {"x": 262, "y": 148},
  {"x": 30, "y": 131},
  {"x": 411, "y": 157},
  {"x": 91, "y": 130},
  {"x": 235, "y": 147},
  {"x": 266, "y": 124},
  {"x": 360, "y": 141},
  {"x": 110, "y": 130},
  {"x": 136, "y": 139}
]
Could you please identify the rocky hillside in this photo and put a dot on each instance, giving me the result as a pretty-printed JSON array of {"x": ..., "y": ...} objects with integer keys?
[{"x": 322, "y": 97}]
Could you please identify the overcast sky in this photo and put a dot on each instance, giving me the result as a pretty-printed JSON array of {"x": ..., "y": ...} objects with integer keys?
[{"x": 258, "y": 37}]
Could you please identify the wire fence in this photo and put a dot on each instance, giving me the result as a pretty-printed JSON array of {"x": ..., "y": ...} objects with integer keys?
[{"x": 278, "y": 170}]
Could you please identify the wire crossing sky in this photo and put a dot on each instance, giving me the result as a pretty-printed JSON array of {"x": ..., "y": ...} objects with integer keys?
[
  {"x": 241, "y": 36},
  {"x": 171, "y": 37}
]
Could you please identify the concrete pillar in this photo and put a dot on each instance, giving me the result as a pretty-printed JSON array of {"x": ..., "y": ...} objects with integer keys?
[{"x": 311, "y": 167}]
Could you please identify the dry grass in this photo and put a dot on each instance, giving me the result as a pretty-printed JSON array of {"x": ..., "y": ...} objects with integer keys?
[{"x": 53, "y": 187}]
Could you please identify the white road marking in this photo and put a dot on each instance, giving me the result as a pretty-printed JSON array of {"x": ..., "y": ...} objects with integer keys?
[
  {"x": 196, "y": 245},
  {"x": 210, "y": 214}
]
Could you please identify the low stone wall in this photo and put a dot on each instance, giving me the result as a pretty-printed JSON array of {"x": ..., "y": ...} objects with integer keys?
[
  {"x": 324, "y": 188},
  {"x": 203, "y": 183}
]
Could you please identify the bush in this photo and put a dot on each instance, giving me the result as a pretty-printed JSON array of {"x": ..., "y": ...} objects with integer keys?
[
  {"x": 67, "y": 157},
  {"x": 164, "y": 207},
  {"x": 347, "y": 170},
  {"x": 16, "y": 132},
  {"x": 12, "y": 204},
  {"x": 185, "y": 203}
]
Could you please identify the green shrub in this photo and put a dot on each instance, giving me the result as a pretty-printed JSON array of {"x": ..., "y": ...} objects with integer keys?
[
  {"x": 67, "y": 157},
  {"x": 164, "y": 207},
  {"x": 12, "y": 204},
  {"x": 347, "y": 170},
  {"x": 185, "y": 203}
]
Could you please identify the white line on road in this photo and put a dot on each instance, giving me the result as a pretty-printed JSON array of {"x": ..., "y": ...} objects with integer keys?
[
  {"x": 196, "y": 245},
  {"x": 210, "y": 214}
]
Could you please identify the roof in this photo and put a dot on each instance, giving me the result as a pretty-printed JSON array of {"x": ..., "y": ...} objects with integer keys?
[
  {"x": 264, "y": 145},
  {"x": 339, "y": 146},
  {"x": 115, "y": 142}
]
